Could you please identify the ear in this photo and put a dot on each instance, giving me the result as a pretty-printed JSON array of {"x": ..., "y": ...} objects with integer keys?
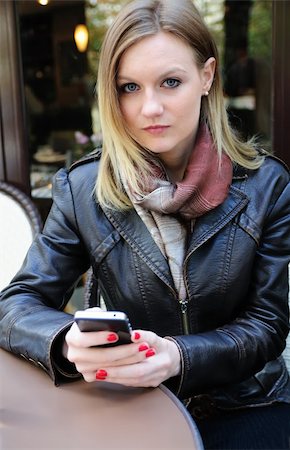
[{"x": 208, "y": 72}]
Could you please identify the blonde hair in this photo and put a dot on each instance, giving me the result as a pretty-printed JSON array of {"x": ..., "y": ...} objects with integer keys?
[{"x": 122, "y": 158}]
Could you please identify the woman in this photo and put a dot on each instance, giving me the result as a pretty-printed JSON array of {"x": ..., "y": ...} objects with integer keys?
[{"x": 187, "y": 232}]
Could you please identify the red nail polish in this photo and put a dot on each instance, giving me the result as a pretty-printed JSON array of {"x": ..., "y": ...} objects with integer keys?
[
  {"x": 150, "y": 352},
  {"x": 112, "y": 337},
  {"x": 143, "y": 347},
  {"x": 101, "y": 374},
  {"x": 137, "y": 335}
]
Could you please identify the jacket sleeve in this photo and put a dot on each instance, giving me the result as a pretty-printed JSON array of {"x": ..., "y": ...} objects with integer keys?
[
  {"x": 31, "y": 307},
  {"x": 240, "y": 349}
]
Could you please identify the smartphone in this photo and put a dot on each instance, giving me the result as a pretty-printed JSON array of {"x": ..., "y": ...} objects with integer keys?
[{"x": 116, "y": 321}]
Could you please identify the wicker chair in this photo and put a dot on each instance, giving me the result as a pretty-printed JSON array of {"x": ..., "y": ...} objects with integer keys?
[{"x": 19, "y": 223}]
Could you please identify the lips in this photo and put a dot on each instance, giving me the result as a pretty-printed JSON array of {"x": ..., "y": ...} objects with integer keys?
[{"x": 156, "y": 129}]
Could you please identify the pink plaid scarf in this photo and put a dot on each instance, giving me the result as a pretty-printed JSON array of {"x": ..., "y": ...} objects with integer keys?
[{"x": 205, "y": 184}]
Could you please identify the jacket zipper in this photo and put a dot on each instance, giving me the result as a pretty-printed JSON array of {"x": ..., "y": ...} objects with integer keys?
[
  {"x": 184, "y": 315},
  {"x": 184, "y": 303}
]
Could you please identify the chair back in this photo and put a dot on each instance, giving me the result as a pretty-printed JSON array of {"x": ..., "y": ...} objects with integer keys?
[{"x": 19, "y": 223}]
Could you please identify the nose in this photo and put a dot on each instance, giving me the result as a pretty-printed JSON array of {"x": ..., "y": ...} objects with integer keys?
[{"x": 152, "y": 106}]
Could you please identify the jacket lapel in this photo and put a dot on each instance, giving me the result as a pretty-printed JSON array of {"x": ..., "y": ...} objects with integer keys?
[
  {"x": 136, "y": 234},
  {"x": 212, "y": 222}
]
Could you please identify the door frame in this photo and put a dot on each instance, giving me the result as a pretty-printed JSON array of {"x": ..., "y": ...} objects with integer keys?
[
  {"x": 281, "y": 80},
  {"x": 14, "y": 157}
]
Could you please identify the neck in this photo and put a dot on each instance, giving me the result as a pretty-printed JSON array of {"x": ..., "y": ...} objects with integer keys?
[
  {"x": 175, "y": 174},
  {"x": 175, "y": 162},
  {"x": 175, "y": 167}
]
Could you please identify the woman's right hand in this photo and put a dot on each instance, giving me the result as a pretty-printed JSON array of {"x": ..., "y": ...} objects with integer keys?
[{"x": 82, "y": 349}]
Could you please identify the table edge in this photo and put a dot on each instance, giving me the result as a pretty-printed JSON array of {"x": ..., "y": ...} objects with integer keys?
[{"x": 192, "y": 425}]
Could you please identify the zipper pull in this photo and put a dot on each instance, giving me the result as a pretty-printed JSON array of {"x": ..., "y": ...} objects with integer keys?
[
  {"x": 192, "y": 223},
  {"x": 183, "y": 306}
]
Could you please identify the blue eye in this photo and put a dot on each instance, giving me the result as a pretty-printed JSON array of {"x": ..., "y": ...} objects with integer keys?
[
  {"x": 129, "y": 87},
  {"x": 171, "y": 83}
]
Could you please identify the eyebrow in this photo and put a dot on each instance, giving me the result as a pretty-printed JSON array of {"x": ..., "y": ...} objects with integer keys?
[{"x": 163, "y": 75}]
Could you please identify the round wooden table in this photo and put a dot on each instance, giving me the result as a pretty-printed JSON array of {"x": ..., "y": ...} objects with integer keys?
[{"x": 37, "y": 415}]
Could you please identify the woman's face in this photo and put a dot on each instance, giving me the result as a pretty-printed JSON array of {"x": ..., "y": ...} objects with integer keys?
[{"x": 160, "y": 89}]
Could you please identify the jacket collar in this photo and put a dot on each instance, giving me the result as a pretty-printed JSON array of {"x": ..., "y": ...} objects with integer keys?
[
  {"x": 239, "y": 172},
  {"x": 211, "y": 223}
]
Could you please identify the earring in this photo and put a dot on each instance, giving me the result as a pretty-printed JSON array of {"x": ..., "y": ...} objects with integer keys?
[{"x": 206, "y": 93}]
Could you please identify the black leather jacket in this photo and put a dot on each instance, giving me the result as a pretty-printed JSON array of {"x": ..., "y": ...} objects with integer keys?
[{"x": 235, "y": 273}]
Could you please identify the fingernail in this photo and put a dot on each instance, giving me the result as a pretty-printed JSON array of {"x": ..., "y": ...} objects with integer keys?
[
  {"x": 112, "y": 337},
  {"x": 101, "y": 374},
  {"x": 143, "y": 347},
  {"x": 137, "y": 335},
  {"x": 150, "y": 352}
]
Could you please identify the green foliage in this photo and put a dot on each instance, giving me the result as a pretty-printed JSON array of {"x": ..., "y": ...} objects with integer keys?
[
  {"x": 213, "y": 14},
  {"x": 260, "y": 30},
  {"x": 99, "y": 15}
]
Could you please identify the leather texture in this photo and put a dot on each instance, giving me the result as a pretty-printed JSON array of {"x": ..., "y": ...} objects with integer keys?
[{"x": 235, "y": 274}]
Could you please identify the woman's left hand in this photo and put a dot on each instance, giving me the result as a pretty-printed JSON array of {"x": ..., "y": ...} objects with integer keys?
[{"x": 162, "y": 362}]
